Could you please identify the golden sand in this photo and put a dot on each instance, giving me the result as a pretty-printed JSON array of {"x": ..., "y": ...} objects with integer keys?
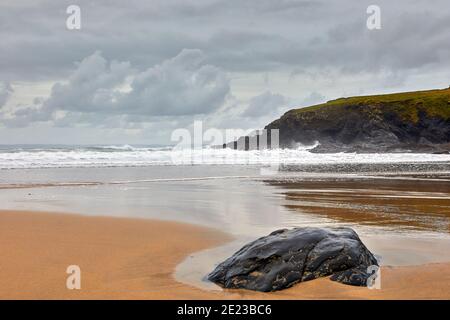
[{"x": 135, "y": 259}]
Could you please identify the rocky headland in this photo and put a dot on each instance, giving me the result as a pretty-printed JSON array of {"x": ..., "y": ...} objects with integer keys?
[{"x": 411, "y": 121}]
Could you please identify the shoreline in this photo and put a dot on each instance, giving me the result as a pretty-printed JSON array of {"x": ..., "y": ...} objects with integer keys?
[{"x": 129, "y": 258}]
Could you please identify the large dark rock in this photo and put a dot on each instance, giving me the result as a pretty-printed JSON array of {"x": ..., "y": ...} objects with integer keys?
[
  {"x": 410, "y": 121},
  {"x": 286, "y": 257}
]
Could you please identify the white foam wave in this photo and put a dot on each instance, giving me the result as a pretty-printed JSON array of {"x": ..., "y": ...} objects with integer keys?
[{"x": 135, "y": 156}]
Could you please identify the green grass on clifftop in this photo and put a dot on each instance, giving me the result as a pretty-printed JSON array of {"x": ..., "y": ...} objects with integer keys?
[{"x": 407, "y": 105}]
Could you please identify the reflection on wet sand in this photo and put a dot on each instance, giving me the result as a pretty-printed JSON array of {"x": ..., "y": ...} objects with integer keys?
[{"x": 390, "y": 203}]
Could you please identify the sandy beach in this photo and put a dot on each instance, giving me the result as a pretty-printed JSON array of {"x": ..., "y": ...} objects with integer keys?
[{"x": 123, "y": 258}]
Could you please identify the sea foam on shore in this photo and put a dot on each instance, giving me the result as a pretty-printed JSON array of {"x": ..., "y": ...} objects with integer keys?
[{"x": 27, "y": 157}]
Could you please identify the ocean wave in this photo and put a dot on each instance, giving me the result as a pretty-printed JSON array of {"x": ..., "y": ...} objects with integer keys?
[{"x": 117, "y": 156}]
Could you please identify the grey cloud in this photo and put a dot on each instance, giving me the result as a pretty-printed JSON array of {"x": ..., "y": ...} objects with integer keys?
[
  {"x": 312, "y": 99},
  {"x": 97, "y": 90},
  {"x": 93, "y": 87},
  {"x": 5, "y": 92},
  {"x": 180, "y": 86},
  {"x": 243, "y": 36},
  {"x": 269, "y": 105},
  {"x": 265, "y": 104}
]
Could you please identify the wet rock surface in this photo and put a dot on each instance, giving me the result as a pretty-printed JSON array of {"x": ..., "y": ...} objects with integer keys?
[{"x": 286, "y": 257}]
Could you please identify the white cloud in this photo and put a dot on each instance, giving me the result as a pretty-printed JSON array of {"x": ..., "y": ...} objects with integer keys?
[
  {"x": 183, "y": 85},
  {"x": 99, "y": 90}
]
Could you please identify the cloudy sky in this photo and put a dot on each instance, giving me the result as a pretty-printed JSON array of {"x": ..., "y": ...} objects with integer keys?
[{"x": 137, "y": 70}]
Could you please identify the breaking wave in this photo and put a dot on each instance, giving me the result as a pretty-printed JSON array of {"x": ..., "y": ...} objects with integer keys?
[{"x": 130, "y": 156}]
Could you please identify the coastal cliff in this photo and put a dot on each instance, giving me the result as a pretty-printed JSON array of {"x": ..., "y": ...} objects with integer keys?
[
  {"x": 399, "y": 122},
  {"x": 414, "y": 121}
]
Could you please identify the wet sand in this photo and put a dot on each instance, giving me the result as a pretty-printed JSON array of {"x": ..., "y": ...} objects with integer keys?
[
  {"x": 136, "y": 258},
  {"x": 395, "y": 204}
]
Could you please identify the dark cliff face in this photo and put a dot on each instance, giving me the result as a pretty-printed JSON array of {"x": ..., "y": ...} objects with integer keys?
[{"x": 417, "y": 121}]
